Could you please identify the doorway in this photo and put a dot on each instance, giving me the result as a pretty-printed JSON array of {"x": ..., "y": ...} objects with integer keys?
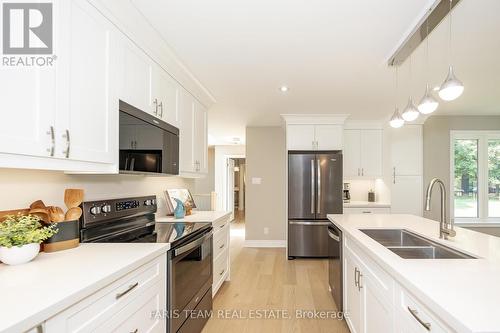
[{"x": 235, "y": 188}]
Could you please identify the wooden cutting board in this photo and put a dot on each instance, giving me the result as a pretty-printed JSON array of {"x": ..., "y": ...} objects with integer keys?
[{"x": 4, "y": 213}]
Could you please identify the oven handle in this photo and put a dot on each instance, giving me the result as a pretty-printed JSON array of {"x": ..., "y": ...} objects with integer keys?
[{"x": 192, "y": 245}]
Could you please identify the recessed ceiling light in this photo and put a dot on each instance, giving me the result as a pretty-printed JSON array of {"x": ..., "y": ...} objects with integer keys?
[{"x": 284, "y": 89}]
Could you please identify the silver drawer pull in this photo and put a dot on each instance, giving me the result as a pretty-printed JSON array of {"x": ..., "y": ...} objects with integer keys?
[
  {"x": 367, "y": 212},
  {"x": 52, "y": 148},
  {"x": 222, "y": 272},
  {"x": 135, "y": 331},
  {"x": 222, "y": 226},
  {"x": 414, "y": 313},
  {"x": 222, "y": 245},
  {"x": 130, "y": 288}
]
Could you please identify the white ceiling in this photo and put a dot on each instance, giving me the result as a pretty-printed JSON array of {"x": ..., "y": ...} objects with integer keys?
[{"x": 331, "y": 53}]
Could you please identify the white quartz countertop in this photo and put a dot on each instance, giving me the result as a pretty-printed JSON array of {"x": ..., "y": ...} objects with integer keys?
[
  {"x": 35, "y": 291},
  {"x": 464, "y": 293},
  {"x": 366, "y": 204},
  {"x": 197, "y": 216}
]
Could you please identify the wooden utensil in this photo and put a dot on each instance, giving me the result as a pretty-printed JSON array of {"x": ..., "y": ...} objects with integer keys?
[
  {"x": 56, "y": 214},
  {"x": 73, "y": 214},
  {"x": 37, "y": 204},
  {"x": 73, "y": 197},
  {"x": 42, "y": 213}
]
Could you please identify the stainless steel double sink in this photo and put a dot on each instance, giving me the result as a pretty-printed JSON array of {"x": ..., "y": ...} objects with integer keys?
[{"x": 409, "y": 245}]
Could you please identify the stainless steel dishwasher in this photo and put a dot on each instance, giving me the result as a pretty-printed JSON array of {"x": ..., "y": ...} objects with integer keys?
[{"x": 335, "y": 264}]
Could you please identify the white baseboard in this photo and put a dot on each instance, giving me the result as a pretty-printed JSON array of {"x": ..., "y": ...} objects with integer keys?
[{"x": 265, "y": 243}]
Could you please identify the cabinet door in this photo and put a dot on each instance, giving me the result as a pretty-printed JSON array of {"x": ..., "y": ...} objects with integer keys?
[
  {"x": 200, "y": 138},
  {"x": 371, "y": 153},
  {"x": 88, "y": 128},
  {"x": 406, "y": 195},
  {"x": 328, "y": 137},
  {"x": 406, "y": 150},
  {"x": 166, "y": 92},
  {"x": 300, "y": 137},
  {"x": 186, "y": 155},
  {"x": 352, "y": 298},
  {"x": 135, "y": 89},
  {"x": 377, "y": 311},
  {"x": 351, "y": 152}
]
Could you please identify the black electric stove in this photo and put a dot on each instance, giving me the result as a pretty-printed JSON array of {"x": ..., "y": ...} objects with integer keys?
[{"x": 189, "y": 260}]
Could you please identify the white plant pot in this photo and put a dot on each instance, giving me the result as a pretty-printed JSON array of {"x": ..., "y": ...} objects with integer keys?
[{"x": 17, "y": 255}]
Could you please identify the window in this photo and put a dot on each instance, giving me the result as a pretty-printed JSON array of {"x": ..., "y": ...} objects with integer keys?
[{"x": 475, "y": 176}]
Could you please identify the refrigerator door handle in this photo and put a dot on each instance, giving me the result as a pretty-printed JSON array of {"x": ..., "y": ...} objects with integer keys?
[
  {"x": 308, "y": 223},
  {"x": 312, "y": 186},
  {"x": 318, "y": 199}
]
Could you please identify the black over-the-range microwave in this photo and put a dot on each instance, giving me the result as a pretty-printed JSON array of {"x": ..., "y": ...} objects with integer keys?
[{"x": 148, "y": 145}]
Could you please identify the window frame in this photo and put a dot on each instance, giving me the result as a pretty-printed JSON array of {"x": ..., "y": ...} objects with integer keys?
[{"x": 483, "y": 220}]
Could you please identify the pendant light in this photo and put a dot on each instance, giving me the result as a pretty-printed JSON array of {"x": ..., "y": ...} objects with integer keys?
[
  {"x": 428, "y": 104},
  {"x": 410, "y": 112},
  {"x": 396, "y": 120},
  {"x": 452, "y": 87}
]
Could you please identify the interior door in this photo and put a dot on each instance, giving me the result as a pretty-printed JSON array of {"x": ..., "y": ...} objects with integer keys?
[
  {"x": 301, "y": 186},
  {"x": 329, "y": 185},
  {"x": 230, "y": 187}
]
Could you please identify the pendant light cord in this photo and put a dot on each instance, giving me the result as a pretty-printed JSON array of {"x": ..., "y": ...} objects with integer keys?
[
  {"x": 427, "y": 52},
  {"x": 396, "y": 88},
  {"x": 449, "y": 41}
]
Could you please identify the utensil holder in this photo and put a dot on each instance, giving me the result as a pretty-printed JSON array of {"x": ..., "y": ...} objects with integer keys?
[{"x": 67, "y": 237}]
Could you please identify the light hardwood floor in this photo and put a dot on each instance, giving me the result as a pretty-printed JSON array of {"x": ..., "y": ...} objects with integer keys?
[{"x": 263, "y": 279}]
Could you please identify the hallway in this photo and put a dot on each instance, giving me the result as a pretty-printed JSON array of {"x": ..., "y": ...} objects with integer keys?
[{"x": 262, "y": 279}]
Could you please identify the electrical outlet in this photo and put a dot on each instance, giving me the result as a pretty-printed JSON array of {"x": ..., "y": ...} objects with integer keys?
[{"x": 266, "y": 231}]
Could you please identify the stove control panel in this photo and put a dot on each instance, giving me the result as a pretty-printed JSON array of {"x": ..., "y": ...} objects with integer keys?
[{"x": 104, "y": 210}]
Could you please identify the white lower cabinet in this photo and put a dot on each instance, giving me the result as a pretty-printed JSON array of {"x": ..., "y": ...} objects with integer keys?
[
  {"x": 126, "y": 305},
  {"x": 374, "y": 302},
  {"x": 221, "y": 271}
]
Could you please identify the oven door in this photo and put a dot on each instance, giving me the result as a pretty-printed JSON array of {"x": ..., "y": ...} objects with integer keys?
[{"x": 190, "y": 276}]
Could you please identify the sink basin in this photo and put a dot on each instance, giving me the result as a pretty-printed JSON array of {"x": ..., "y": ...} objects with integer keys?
[{"x": 409, "y": 245}]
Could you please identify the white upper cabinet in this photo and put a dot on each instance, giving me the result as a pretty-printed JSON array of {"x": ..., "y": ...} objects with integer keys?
[
  {"x": 165, "y": 96},
  {"x": 407, "y": 150},
  {"x": 193, "y": 136},
  {"x": 87, "y": 129},
  {"x": 137, "y": 72},
  {"x": 363, "y": 153},
  {"x": 314, "y": 137}
]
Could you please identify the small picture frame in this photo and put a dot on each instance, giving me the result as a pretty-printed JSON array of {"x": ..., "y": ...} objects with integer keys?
[{"x": 182, "y": 194}]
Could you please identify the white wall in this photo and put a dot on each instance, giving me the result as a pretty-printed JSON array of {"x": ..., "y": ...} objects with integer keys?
[
  {"x": 21, "y": 187},
  {"x": 265, "y": 202},
  {"x": 221, "y": 155}
]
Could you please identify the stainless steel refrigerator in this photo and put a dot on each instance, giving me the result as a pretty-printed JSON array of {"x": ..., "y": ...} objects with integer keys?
[{"x": 314, "y": 190}]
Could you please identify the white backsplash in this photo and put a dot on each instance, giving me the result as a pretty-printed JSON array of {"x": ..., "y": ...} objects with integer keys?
[
  {"x": 360, "y": 188},
  {"x": 18, "y": 188}
]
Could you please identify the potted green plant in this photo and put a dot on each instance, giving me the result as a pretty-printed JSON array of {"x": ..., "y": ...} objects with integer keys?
[{"x": 20, "y": 238}]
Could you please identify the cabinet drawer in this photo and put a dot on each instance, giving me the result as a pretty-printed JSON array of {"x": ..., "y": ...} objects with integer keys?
[
  {"x": 221, "y": 241},
  {"x": 143, "y": 314},
  {"x": 349, "y": 210},
  {"x": 220, "y": 224},
  {"x": 221, "y": 266},
  {"x": 414, "y": 317},
  {"x": 92, "y": 311}
]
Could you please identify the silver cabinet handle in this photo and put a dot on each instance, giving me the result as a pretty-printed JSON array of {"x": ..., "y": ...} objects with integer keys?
[
  {"x": 68, "y": 144},
  {"x": 135, "y": 331},
  {"x": 155, "y": 102},
  {"x": 356, "y": 276},
  {"x": 161, "y": 109},
  {"x": 52, "y": 148},
  {"x": 366, "y": 212},
  {"x": 222, "y": 272},
  {"x": 130, "y": 288},
  {"x": 222, "y": 226},
  {"x": 359, "y": 280},
  {"x": 312, "y": 186},
  {"x": 318, "y": 198},
  {"x": 394, "y": 175},
  {"x": 222, "y": 246},
  {"x": 359, "y": 173},
  {"x": 414, "y": 313},
  {"x": 362, "y": 171}
]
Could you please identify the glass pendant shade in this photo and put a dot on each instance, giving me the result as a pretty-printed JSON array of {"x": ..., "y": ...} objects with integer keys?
[
  {"x": 451, "y": 88},
  {"x": 428, "y": 104},
  {"x": 396, "y": 120},
  {"x": 410, "y": 112}
]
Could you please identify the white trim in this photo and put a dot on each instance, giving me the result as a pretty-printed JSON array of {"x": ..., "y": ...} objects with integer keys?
[
  {"x": 482, "y": 138},
  {"x": 315, "y": 119},
  {"x": 265, "y": 243}
]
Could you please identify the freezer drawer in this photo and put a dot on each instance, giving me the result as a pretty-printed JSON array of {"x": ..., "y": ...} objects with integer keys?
[{"x": 308, "y": 239}]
